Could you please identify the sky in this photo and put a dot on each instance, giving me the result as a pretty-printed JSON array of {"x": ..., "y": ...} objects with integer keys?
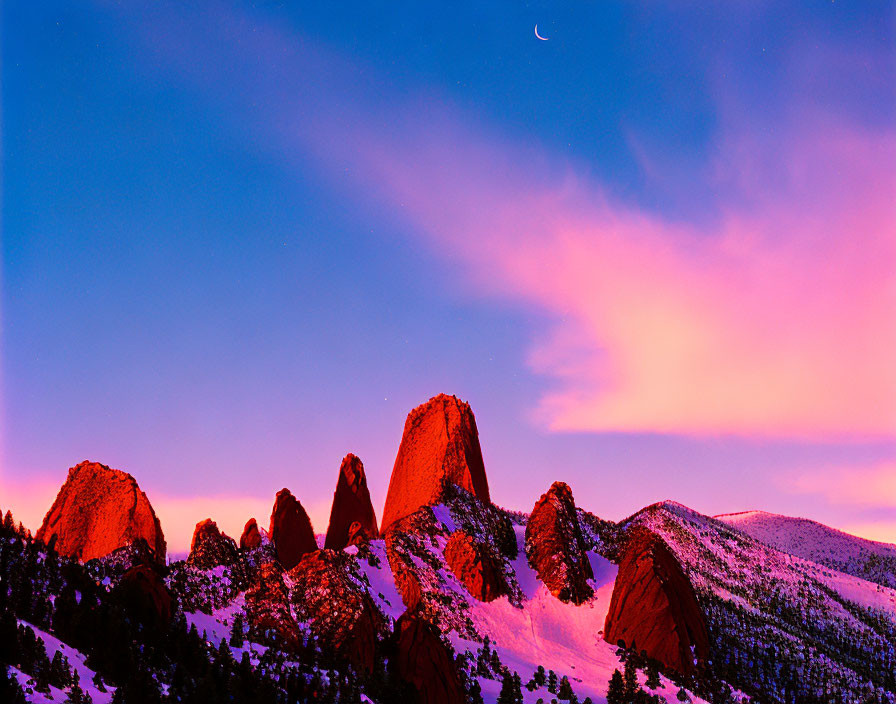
[{"x": 656, "y": 253}]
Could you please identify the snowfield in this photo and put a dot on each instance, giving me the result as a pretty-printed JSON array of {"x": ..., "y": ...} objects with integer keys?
[{"x": 868, "y": 559}]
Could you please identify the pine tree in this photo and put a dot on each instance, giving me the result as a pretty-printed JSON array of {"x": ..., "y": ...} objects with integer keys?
[
  {"x": 565, "y": 691},
  {"x": 616, "y": 689},
  {"x": 41, "y": 675},
  {"x": 236, "y": 632},
  {"x": 511, "y": 690},
  {"x": 77, "y": 695},
  {"x": 60, "y": 671},
  {"x": 517, "y": 689},
  {"x": 653, "y": 677},
  {"x": 682, "y": 695},
  {"x": 476, "y": 692},
  {"x": 9, "y": 641},
  {"x": 10, "y": 689},
  {"x": 630, "y": 679},
  {"x": 552, "y": 682}
]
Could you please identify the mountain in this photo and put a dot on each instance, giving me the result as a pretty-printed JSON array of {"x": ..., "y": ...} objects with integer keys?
[
  {"x": 868, "y": 559},
  {"x": 440, "y": 444},
  {"x": 781, "y": 628},
  {"x": 459, "y": 600},
  {"x": 99, "y": 510},
  {"x": 352, "y": 518}
]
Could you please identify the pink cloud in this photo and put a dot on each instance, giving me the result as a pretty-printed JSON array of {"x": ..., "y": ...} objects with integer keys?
[
  {"x": 869, "y": 487},
  {"x": 778, "y": 321}
]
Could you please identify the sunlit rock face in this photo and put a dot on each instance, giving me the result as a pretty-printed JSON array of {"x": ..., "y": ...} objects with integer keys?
[
  {"x": 654, "y": 608},
  {"x": 440, "y": 444},
  {"x": 555, "y": 547},
  {"x": 99, "y": 510},
  {"x": 251, "y": 537},
  {"x": 474, "y": 567},
  {"x": 352, "y": 518},
  {"x": 210, "y": 547}
]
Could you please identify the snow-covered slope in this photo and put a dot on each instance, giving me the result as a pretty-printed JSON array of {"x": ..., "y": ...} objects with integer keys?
[
  {"x": 782, "y": 628},
  {"x": 870, "y": 560}
]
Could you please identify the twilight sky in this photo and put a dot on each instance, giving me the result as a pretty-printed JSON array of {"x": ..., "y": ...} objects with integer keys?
[{"x": 656, "y": 253}]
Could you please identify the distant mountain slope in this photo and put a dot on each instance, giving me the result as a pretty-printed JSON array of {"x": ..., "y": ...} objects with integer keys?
[
  {"x": 782, "y": 628},
  {"x": 868, "y": 559}
]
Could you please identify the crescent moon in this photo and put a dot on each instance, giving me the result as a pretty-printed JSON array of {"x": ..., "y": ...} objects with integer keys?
[{"x": 544, "y": 39}]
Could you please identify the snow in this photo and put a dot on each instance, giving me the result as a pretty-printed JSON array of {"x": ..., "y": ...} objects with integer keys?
[
  {"x": 382, "y": 584},
  {"x": 55, "y": 695},
  {"x": 76, "y": 660},
  {"x": 548, "y": 632},
  {"x": 858, "y": 590},
  {"x": 443, "y": 516},
  {"x": 819, "y": 543}
]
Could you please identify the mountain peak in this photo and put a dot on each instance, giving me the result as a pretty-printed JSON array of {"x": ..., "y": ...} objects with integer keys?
[
  {"x": 98, "y": 510},
  {"x": 440, "y": 443}
]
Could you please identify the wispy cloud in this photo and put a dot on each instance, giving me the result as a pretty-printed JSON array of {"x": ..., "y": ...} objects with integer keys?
[
  {"x": 779, "y": 319},
  {"x": 869, "y": 487}
]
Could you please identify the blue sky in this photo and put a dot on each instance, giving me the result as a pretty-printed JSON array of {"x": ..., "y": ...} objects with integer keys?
[{"x": 241, "y": 241}]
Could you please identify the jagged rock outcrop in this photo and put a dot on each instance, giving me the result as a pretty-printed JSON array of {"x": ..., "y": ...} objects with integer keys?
[
  {"x": 99, "y": 510},
  {"x": 352, "y": 518},
  {"x": 440, "y": 444},
  {"x": 267, "y": 610},
  {"x": 402, "y": 545},
  {"x": 144, "y": 596},
  {"x": 210, "y": 547},
  {"x": 251, "y": 537},
  {"x": 291, "y": 530},
  {"x": 555, "y": 547},
  {"x": 328, "y": 594},
  {"x": 412, "y": 549},
  {"x": 654, "y": 608},
  {"x": 425, "y": 662},
  {"x": 474, "y": 567}
]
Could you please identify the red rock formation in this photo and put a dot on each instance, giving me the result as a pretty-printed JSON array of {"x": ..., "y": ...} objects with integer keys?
[
  {"x": 145, "y": 597},
  {"x": 402, "y": 543},
  {"x": 99, "y": 510},
  {"x": 654, "y": 607},
  {"x": 328, "y": 594},
  {"x": 440, "y": 443},
  {"x": 474, "y": 567},
  {"x": 251, "y": 537},
  {"x": 555, "y": 548},
  {"x": 351, "y": 505},
  {"x": 291, "y": 530},
  {"x": 358, "y": 534},
  {"x": 210, "y": 547},
  {"x": 267, "y": 610},
  {"x": 425, "y": 662}
]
